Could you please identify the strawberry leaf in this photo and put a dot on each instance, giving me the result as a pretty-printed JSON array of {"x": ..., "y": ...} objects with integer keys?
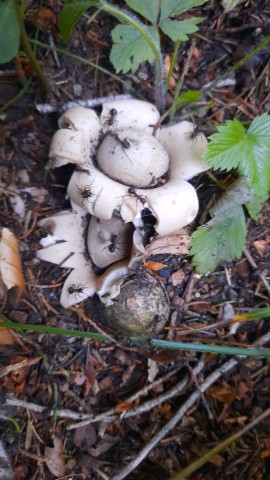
[
  {"x": 130, "y": 49},
  {"x": 223, "y": 238},
  {"x": 177, "y": 30},
  {"x": 220, "y": 240}
]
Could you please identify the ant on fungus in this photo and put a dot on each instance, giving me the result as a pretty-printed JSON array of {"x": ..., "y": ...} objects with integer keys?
[
  {"x": 86, "y": 193},
  {"x": 125, "y": 144},
  {"x": 141, "y": 198},
  {"x": 112, "y": 119},
  {"x": 76, "y": 289},
  {"x": 112, "y": 247}
]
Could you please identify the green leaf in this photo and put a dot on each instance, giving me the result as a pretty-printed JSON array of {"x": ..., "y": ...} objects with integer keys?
[
  {"x": 191, "y": 96},
  {"x": 237, "y": 194},
  {"x": 149, "y": 10},
  {"x": 170, "y": 8},
  {"x": 254, "y": 208},
  {"x": 222, "y": 239},
  {"x": 9, "y": 31},
  {"x": 130, "y": 49},
  {"x": 71, "y": 13},
  {"x": 248, "y": 152},
  {"x": 180, "y": 30}
]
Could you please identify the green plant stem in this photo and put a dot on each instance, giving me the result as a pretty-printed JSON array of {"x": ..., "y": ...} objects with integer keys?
[
  {"x": 193, "y": 467},
  {"x": 218, "y": 349},
  {"x": 81, "y": 59},
  {"x": 173, "y": 60},
  {"x": 29, "y": 52}
]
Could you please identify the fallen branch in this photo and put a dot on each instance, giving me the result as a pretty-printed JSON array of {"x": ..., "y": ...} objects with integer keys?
[{"x": 226, "y": 367}]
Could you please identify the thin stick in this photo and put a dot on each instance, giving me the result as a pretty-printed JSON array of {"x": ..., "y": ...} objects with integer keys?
[
  {"x": 210, "y": 379},
  {"x": 221, "y": 446},
  {"x": 254, "y": 265},
  {"x": 5, "y": 467},
  {"x": 146, "y": 406}
]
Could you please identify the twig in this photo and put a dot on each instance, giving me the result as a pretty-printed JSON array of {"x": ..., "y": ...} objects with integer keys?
[
  {"x": 254, "y": 265},
  {"x": 146, "y": 406},
  {"x": 193, "y": 467},
  {"x": 54, "y": 52},
  {"x": 63, "y": 413},
  {"x": 88, "y": 103},
  {"x": 5, "y": 467},
  {"x": 226, "y": 367}
]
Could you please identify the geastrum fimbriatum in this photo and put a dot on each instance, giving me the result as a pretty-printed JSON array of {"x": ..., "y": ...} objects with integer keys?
[{"x": 131, "y": 177}]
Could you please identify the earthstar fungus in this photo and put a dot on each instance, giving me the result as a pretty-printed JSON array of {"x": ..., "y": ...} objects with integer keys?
[{"x": 131, "y": 179}]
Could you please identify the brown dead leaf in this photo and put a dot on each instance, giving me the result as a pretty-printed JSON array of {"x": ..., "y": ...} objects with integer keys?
[
  {"x": 54, "y": 461},
  {"x": 122, "y": 407},
  {"x": 85, "y": 437},
  {"x": 10, "y": 263},
  {"x": 260, "y": 245},
  {"x": 222, "y": 393},
  {"x": 176, "y": 243},
  {"x": 202, "y": 306},
  {"x": 103, "y": 445},
  {"x": 6, "y": 337},
  {"x": 167, "y": 66}
]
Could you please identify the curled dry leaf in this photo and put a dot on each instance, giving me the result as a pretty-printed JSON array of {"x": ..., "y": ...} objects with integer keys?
[
  {"x": 222, "y": 393},
  {"x": 177, "y": 243},
  {"x": 54, "y": 461},
  {"x": 6, "y": 337},
  {"x": 260, "y": 245},
  {"x": 10, "y": 263}
]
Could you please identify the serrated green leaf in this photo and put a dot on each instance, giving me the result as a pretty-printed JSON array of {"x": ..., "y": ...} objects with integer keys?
[
  {"x": 237, "y": 194},
  {"x": 9, "y": 31},
  {"x": 170, "y": 8},
  {"x": 248, "y": 152},
  {"x": 191, "y": 96},
  {"x": 70, "y": 15},
  {"x": 222, "y": 239},
  {"x": 254, "y": 208},
  {"x": 130, "y": 49},
  {"x": 177, "y": 30},
  {"x": 149, "y": 10},
  {"x": 261, "y": 127}
]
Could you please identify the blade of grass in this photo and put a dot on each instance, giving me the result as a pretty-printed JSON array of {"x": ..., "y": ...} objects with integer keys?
[
  {"x": 260, "y": 313},
  {"x": 193, "y": 467},
  {"x": 223, "y": 350},
  {"x": 81, "y": 59},
  {"x": 219, "y": 349}
]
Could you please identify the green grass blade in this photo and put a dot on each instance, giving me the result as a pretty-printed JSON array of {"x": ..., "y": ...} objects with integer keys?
[
  {"x": 193, "y": 467},
  {"x": 223, "y": 350}
]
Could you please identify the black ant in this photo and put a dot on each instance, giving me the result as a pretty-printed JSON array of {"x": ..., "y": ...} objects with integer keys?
[
  {"x": 125, "y": 144},
  {"x": 76, "y": 289},
  {"x": 114, "y": 243},
  {"x": 86, "y": 193},
  {"x": 132, "y": 191},
  {"x": 112, "y": 119},
  {"x": 194, "y": 135}
]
